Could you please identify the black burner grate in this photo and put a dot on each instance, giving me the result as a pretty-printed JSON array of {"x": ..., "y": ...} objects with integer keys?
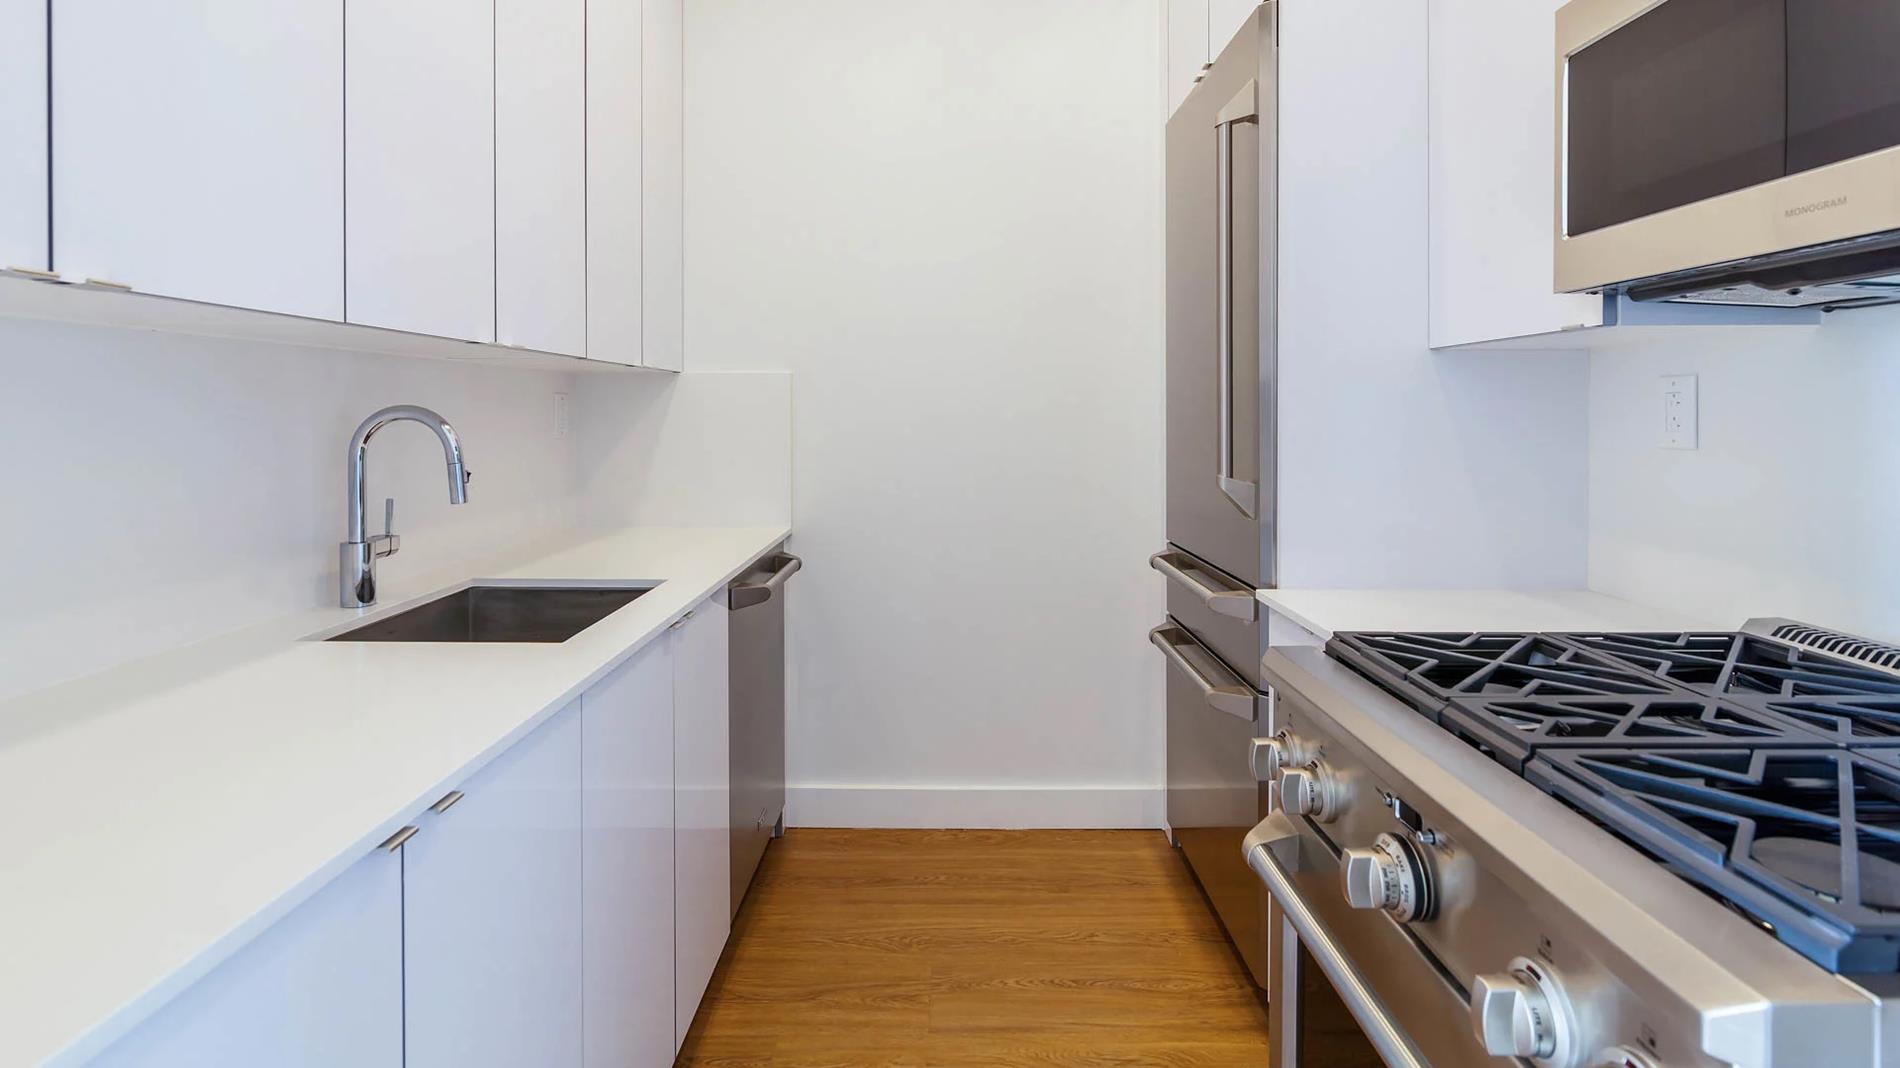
[
  {"x": 1512, "y": 731},
  {"x": 1740, "y": 667},
  {"x": 1429, "y": 671},
  {"x": 1806, "y": 839}
]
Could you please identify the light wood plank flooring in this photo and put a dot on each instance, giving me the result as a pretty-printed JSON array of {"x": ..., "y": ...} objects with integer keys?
[{"x": 977, "y": 948}]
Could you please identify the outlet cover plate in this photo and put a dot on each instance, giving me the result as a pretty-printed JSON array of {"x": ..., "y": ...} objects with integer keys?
[{"x": 1679, "y": 430}]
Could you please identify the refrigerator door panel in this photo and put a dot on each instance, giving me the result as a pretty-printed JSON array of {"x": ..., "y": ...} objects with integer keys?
[
  {"x": 1219, "y": 609},
  {"x": 1219, "y": 260},
  {"x": 1213, "y": 798}
]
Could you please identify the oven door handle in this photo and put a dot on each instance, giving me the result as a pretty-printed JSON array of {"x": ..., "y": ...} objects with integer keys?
[
  {"x": 1236, "y": 697},
  {"x": 1267, "y": 847}
]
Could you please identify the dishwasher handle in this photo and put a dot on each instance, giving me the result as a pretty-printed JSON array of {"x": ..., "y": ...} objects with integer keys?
[{"x": 745, "y": 593}]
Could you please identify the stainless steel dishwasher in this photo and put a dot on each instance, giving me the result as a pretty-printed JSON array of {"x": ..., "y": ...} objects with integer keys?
[{"x": 757, "y": 675}]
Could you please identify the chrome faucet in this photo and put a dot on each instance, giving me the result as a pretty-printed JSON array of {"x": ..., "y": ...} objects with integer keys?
[{"x": 359, "y": 555}]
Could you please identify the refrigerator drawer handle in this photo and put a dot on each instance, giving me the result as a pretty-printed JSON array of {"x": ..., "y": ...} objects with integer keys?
[
  {"x": 1267, "y": 844},
  {"x": 1242, "y": 108},
  {"x": 746, "y": 594},
  {"x": 1234, "y": 697},
  {"x": 1236, "y": 603}
]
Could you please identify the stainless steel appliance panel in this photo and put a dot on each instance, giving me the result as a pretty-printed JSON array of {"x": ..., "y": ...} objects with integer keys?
[
  {"x": 1213, "y": 797},
  {"x": 757, "y": 680},
  {"x": 1220, "y": 249},
  {"x": 1219, "y": 609}
]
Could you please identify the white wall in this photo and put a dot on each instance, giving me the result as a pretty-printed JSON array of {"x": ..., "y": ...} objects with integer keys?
[
  {"x": 163, "y": 488},
  {"x": 1398, "y": 466},
  {"x": 944, "y": 220},
  {"x": 1789, "y": 505}
]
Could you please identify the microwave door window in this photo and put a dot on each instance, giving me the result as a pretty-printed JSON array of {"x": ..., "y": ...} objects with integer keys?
[
  {"x": 1843, "y": 80},
  {"x": 1685, "y": 102}
]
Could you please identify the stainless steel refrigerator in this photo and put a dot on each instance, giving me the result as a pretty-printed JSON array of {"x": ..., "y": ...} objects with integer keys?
[{"x": 1221, "y": 251}]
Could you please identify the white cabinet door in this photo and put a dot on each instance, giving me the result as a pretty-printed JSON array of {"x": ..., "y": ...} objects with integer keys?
[
  {"x": 198, "y": 149},
  {"x": 663, "y": 184},
  {"x": 1187, "y": 47},
  {"x": 492, "y": 913},
  {"x": 613, "y": 180},
  {"x": 23, "y": 213},
  {"x": 627, "y": 861},
  {"x": 1224, "y": 19},
  {"x": 420, "y": 180},
  {"x": 540, "y": 175},
  {"x": 1492, "y": 90},
  {"x": 702, "y": 775},
  {"x": 321, "y": 987}
]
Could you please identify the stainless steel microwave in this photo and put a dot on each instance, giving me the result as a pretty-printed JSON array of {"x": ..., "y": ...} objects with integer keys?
[{"x": 1729, "y": 151}]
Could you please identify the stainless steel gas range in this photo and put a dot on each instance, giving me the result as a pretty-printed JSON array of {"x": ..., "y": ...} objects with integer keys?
[{"x": 1583, "y": 850}]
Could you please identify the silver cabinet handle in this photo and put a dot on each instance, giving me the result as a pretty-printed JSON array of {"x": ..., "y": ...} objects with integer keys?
[
  {"x": 745, "y": 594},
  {"x": 1245, "y": 495},
  {"x": 1234, "y": 696},
  {"x": 395, "y": 841},
  {"x": 1264, "y": 846},
  {"x": 1238, "y": 603},
  {"x": 448, "y": 802}
]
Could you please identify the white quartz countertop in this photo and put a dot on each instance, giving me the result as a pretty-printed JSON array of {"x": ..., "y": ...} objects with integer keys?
[
  {"x": 1324, "y": 611},
  {"x": 159, "y": 815}
]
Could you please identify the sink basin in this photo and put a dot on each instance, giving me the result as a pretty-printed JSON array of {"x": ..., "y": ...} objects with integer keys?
[{"x": 500, "y": 614}]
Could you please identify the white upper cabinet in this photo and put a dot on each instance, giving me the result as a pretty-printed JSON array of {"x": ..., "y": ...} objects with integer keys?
[
  {"x": 321, "y": 987},
  {"x": 702, "y": 810},
  {"x": 663, "y": 184},
  {"x": 492, "y": 913},
  {"x": 198, "y": 149},
  {"x": 23, "y": 132},
  {"x": 420, "y": 180},
  {"x": 627, "y": 861},
  {"x": 1187, "y": 47},
  {"x": 1492, "y": 87},
  {"x": 540, "y": 175},
  {"x": 613, "y": 180}
]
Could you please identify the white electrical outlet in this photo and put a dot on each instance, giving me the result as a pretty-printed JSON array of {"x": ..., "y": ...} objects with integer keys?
[
  {"x": 560, "y": 415},
  {"x": 1678, "y": 412}
]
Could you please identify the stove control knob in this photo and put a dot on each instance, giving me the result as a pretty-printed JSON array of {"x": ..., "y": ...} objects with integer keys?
[
  {"x": 1523, "y": 1013},
  {"x": 1312, "y": 791},
  {"x": 1390, "y": 876},
  {"x": 1270, "y": 756}
]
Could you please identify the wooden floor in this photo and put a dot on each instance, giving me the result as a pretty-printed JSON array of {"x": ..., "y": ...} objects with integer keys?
[{"x": 977, "y": 948}]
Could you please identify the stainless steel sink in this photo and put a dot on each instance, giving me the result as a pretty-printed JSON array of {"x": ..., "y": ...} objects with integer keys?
[{"x": 500, "y": 614}]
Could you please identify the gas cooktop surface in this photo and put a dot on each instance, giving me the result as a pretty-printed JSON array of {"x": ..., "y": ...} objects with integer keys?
[{"x": 1765, "y": 773}]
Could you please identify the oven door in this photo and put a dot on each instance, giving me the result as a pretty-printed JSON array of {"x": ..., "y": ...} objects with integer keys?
[{"x": 1350, "y": 989}]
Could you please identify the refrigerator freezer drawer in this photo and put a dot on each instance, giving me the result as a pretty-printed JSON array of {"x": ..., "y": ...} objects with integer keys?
[
  {"x": 1218, "y": 609},
  {"x": 1213, "y": 798}
]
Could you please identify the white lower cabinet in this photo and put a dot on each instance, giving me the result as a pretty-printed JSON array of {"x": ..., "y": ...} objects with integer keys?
[
  {"x": 702, "y": 813},
  {"x": 627, "y": 862},
  {"x": 492, "y": 913},
  {"x": 322, "y": 987},
  {"x": 564, "y": 906}
]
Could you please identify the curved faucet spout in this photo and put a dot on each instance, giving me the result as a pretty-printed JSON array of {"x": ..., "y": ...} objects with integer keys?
[
  {"x": 359, "y": 449},
  {"x": 358, "y": 576}
]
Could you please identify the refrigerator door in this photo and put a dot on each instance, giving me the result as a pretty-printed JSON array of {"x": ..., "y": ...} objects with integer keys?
[
  {"x": 1220, "y": 247},
  {"x": 1213, "y": 797}
]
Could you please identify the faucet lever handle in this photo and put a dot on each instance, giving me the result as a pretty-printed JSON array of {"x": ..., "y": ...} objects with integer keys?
[{"x": 389, "y": 515}]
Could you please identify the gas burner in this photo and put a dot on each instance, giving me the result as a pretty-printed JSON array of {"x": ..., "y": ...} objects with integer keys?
[
  {"x": 1741, "y": 667},
  {"x": 1511, "y": 731},
  {"x": 1429, "y": 671},
  {"x": 1806, "y": 839}
]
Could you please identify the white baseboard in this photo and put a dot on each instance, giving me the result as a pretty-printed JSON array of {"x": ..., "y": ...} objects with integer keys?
[{"x": 1011, "y": 807}]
